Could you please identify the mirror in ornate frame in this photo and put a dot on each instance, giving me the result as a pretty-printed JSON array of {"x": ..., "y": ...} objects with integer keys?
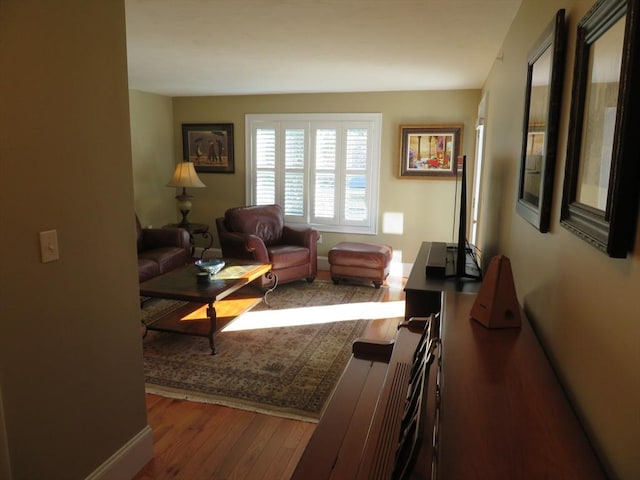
[
  {"x": 600, "y": 199},
  {"x": 545, "y": 67}
]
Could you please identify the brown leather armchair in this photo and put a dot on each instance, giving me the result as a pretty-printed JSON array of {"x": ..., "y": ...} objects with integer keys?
[
  {"x": 161, "y": 250},
  {"x": 258, "y": 233}
]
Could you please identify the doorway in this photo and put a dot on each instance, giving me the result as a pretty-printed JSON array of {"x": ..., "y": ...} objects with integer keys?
[{"x": 477, "y": 174}]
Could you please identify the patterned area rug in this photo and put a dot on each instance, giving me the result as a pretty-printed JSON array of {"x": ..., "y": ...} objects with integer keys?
[{"x": 289, "y": 370}]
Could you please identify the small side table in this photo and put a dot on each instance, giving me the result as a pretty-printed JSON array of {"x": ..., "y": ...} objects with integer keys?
[{"x": 201, "y": 229}]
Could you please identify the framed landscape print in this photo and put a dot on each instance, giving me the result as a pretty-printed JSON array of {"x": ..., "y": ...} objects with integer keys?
[
  {"x": 209, "y": 146},
  {"x": 429, "y": 150}
]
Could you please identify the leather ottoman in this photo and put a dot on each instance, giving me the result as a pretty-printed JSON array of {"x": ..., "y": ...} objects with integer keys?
[{"x": 367, "y": 261}]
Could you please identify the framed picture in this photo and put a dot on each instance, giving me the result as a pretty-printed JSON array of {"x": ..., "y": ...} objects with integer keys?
[
  {"x": 209, "y": 146},
  {"x": 600, "y": 197},
  {"x": 429, "y": 150},
  {"x": 545, "y": 66}
]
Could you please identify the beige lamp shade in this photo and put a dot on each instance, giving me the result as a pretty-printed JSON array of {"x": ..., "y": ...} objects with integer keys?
[{"x": 185, "y": 176}]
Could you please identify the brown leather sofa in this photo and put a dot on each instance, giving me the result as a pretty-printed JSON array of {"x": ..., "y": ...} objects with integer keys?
[
  {"x": 258, "y": 233},
  {"x": 161, "y": 250}
]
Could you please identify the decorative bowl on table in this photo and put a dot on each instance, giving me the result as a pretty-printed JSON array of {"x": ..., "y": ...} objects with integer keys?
[{"x": 210, "y": 266}]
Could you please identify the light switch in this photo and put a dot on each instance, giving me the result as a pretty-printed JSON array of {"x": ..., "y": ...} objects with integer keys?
[{"x": 49, "y": 246}]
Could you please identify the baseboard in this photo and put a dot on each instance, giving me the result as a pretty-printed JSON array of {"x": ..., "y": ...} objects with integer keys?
[
  {"x": 5, "y": 465},
  {"x": 209, "y": 253},
  {"x": 323, "y": 263},
  {"x": 396, "y": 269},
  {"x": 128, "y": 460}
]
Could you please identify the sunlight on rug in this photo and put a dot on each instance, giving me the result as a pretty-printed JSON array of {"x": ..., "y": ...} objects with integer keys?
[
  {"x": 315, "y": 315},
  {"x": 268, "y": 360}
]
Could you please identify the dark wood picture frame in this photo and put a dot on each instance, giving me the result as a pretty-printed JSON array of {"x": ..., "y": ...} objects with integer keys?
[
  {"x": 545, "y": 71},
  {"x": 608, "y": 129},
  {"x": 430, "y": 150},
  {"x": 209, "y": 146}
]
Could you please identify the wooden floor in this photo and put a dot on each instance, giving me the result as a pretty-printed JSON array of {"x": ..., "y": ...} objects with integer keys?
[{"x": 197, "y": 441}]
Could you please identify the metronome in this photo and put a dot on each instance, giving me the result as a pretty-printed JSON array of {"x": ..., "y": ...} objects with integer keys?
[{"x": 496, "y": 304}]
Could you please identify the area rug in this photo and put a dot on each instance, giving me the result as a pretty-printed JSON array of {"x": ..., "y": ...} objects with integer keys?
[{"x": 288, "y": 370}]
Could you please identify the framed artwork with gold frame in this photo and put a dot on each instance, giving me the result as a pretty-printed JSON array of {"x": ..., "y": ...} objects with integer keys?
[{"x": 429, "y": 150}]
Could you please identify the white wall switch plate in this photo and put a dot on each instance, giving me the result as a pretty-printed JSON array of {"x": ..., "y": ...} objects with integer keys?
[{"x": 49, "y": 251}]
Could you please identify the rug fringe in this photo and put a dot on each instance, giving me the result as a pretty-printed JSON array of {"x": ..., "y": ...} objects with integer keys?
[{"x": 226, "y": 402}]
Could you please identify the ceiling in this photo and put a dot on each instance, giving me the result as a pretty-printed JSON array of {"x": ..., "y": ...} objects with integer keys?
[{"x": 237, "y": 47}]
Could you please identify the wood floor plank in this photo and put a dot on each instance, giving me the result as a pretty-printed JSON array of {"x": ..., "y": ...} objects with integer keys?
[
  {"x": 256, "y": 446},
  {"x": 273, "y": 459},
  {"x": 201, "y": 441},
  {"x": 252, "y": 437},
  {"x": 200, "y": 446},
  {"x": 206, "y": 460},
  {"x": 292, "y": 449},
  {"x": 269, "y": 460},
  {"x": 188, "y": 423}
]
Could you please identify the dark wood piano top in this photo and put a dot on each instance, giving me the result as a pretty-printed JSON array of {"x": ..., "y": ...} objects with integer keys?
[
  {"x": 495, "y": 404},
  {"x": 504, "y": 414}
]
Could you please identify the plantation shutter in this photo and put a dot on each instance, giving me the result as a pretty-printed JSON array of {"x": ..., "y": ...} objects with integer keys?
[
  {"x": 294, "y": 172},
  {"x": 265, "y": 155},
  {"x": 325, "y": 174},
  {"x": 321, "y": 168},
  {"x": 357, "y": 181}
]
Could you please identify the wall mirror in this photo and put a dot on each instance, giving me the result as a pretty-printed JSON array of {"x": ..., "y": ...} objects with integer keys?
[
  {"x": 545, "y": 66},
  {"x": 601, "y": 178}
]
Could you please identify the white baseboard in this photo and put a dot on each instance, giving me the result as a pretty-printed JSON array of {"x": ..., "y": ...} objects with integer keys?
[
  {"x": 323, "y": 263},
  {"x": 5, "y": 465},
  {"x": 128, "y": 460},
  {"x": 209, "y": 253},
  {"x": 397, "y": 269}
]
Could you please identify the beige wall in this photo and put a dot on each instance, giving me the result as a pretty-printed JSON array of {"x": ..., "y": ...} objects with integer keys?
[
  {"x": 426, "y": 205},
  {"x": 152, "y": 147},
  {"x": 70, "y": 352},
  {"x": 584, "y": 304},
  {"x": 70, "y": 355}
]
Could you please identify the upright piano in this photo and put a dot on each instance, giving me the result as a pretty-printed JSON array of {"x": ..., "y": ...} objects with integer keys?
[{"x": 450, "y": 399}]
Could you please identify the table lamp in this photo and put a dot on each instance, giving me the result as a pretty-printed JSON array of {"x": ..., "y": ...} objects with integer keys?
[{"x": 185, "y": 176}]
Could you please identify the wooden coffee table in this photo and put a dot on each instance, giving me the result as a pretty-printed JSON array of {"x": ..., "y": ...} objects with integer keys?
[{"x": 181, "y": 284}]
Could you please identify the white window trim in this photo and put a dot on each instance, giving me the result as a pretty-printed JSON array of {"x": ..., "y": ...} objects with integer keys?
[{"x": 375, "y": 119}]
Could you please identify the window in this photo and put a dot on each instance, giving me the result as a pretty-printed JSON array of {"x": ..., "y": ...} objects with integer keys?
[{"x": 322, "y": 168}]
